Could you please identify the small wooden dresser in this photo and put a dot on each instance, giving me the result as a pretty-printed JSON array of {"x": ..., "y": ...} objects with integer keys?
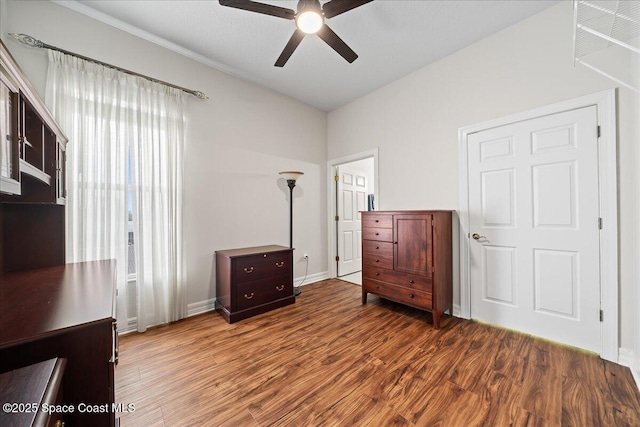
[
  {"x": 251, "y": 281},
  {"x": 406, "y": 257}
]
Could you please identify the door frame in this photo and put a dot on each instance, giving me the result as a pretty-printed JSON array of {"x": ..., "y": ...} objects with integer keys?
[
  {"x": 331, "y": 200},
  {"x": 605, "y": 101}
]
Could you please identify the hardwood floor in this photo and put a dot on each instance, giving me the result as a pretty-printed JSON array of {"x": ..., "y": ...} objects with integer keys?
[{"x": 328, "y": 360}]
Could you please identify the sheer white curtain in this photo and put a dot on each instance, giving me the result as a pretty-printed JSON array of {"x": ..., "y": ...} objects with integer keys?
[{"x": 124, "y": 130}]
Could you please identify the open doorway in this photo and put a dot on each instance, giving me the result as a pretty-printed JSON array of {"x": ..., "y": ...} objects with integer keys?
[{"x": 352, "y": 189}]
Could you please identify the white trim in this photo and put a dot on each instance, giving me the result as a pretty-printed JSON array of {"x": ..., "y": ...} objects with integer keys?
[
  {"x": 208, "y": 305},
  {"x": 605, "y": 101},
  {"x": 3, "y": 19},
  {"x": 200, "y": 307},
  {"x": 128, "y": 28},
  {"x": 627, "y": 357},
  {"x": 331, "y": 199},
  {"x": 313, "y": 278}
]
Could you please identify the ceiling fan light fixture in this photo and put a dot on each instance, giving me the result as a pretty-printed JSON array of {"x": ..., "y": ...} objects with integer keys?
[{"x": 309, "y": 21}]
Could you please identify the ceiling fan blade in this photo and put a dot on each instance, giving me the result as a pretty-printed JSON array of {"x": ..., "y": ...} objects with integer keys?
[
  {"x": 336, "y": 43},
  {"x": 265, "y": 9},
  {"x": 336, "y": 7},
  {"x": 293, "y": 43}
]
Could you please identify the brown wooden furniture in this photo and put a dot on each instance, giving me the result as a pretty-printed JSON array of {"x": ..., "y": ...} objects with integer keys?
[
  {"x": 64, "y": 311},
  {"x": 32, "y": 175},
  {"x": 48, "y": 309},
  {"x": 30, "y": 393},
  {"x": 251, "y": 281},
  {"x": 406, "y": 257}
]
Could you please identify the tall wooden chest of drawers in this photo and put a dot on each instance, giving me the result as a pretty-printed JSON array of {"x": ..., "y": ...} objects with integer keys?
[
  {"x": 251, "y": 281},
  {"x": 406, "y": 257}
]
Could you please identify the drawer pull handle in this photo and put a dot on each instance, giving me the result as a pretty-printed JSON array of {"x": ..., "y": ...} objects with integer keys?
[
  {"x": 411, "y": 281},
  {"x": 411, "y": 295},
  {"x": 280, "y": 264},
  {"x": 249, "y": 296},
  {"x": 248, "y": 270},
  {"x": 280, "y": 288}
]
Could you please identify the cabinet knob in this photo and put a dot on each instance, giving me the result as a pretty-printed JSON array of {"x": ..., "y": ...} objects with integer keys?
[
  {"x": 411, "y": 295},
  {"x": 377, "y": 247},
  {"x": 248, "y": 270},
  {"x": 377, "y": 234},
  {"x": 264, "y": 256},
  {"x": 280, "y": 288},
  {"x": 377, "y": 220},
  {"x": 280, "y": 264},
  {"x": 411, "y": 281},
  {"x": 377, "y": 274},
  {"x": 249, "y": 296},
  {"x": 395, "y": 243},
  {"x": 377, "y": 260}
]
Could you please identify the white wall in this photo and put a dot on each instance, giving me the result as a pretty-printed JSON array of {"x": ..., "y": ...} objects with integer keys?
[
  {"x": 237, "y": 142},
  {"x": 414, "y": 123}
]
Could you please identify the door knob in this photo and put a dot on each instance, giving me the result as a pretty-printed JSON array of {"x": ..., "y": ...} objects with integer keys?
[{"x": 476, "y": 236}]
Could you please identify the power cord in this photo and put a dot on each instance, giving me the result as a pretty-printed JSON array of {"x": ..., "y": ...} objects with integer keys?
[{"x": 306, "y": 270}]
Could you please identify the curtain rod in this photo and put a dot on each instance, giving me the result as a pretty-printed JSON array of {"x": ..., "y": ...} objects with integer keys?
[{"x": 31, "y": 41}]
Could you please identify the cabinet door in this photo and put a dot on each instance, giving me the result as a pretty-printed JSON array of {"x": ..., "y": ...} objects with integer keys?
[
  {"x": 61, "y": 182},
  {"x": 9, "y": 170},
  {"x": 413, "y": 234}
]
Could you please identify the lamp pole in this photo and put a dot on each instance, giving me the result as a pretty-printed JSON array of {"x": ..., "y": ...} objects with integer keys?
[
  {"x": 291, "y": 177},
  {"x": 291, "y": 183}
]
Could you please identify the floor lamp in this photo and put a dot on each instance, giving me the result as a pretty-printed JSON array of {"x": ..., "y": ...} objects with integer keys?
[{"x": 291, "y": 177}]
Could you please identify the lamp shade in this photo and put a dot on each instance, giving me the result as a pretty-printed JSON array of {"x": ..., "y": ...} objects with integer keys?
[{"x": 291, "y": 175}]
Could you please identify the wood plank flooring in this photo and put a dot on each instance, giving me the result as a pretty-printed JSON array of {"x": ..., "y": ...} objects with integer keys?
[{"x": 330, "y": 361}]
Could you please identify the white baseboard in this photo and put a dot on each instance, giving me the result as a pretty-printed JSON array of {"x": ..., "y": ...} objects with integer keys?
[
  {"x": 628, "y": 358},
  {"x": 456, "y": 310},
  {"x": 201, "y": 307},
  {"x": 313, "y": 278},
  {"x": 205, "y": 306}
]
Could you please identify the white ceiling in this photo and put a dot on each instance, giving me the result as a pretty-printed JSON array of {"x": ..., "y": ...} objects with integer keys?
[{"x": 393, "y": 38}]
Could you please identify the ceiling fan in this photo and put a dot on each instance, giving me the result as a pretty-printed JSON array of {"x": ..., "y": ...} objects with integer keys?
[{"x": 309, "y": 19}]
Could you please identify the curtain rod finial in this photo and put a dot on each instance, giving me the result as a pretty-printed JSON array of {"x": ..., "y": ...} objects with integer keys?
[{"x": 28, "y": 40}]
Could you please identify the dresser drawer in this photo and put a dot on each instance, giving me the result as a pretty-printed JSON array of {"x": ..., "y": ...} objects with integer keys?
[
  {"x": 407, "y": 280},
  {"x": 400, "y": 294},
  {"x": 253, "y": 294},
  {"x": 380, "y": 258},
  {"x": 379, "y": 234},
  {"x": 377, "y": 221},
  {"x": 262, "y": 266},
  {"x": 374, "y": 247}
]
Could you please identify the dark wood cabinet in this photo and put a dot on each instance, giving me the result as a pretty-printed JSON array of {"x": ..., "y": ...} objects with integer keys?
[
  {"x": 406, "y": 257},
  {"x": 32, "y": 145},
  {"x": 66, "y": 311},
  {"x": 48, "y": 309},
  {"x": 31, "y": 393},
  {"x": 250, "y": 281}
]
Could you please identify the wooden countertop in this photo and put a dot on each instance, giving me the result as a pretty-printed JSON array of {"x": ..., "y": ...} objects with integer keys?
[{"x": 41, "y": 302}]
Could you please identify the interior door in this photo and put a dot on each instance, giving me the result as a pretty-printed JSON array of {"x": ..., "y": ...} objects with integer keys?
[
  {"x": 534, "y": 219},
  {"x": 352, "y": 198}
]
